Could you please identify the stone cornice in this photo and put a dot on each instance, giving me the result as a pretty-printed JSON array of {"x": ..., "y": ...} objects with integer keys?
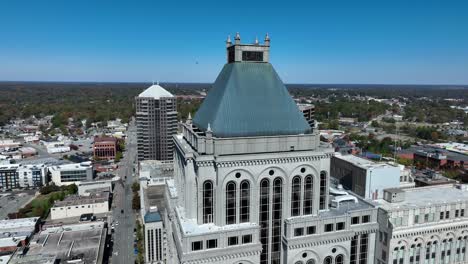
[
  {"x": 255, "y": 162},
  {"x": 316, "y": 241},
  {"x": 221, "y": 256},
  {"x": 398, "y": 234}
]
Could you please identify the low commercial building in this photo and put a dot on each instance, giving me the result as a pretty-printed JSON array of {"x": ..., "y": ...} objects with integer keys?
[
  {"x": 71, "y": 173},
  {"x": 74, "y": 243},
  {"x": 424, "y": 178},
  {"x": 27, "y": 152},
  {"x": 56, "y": 147},
  {"x": 73, "y": 206},
  {"x": 87, "y": 187},
  {"x": 104, "y": 148},
  {"x": 365, "y": 177},
  {"x": 8, "y": 144},
  {"x": 423, "y": 225},
  {"x": 16, "y": 233}
]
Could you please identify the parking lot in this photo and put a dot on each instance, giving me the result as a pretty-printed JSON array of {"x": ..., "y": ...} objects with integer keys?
[{"x": 11, "y": 201}]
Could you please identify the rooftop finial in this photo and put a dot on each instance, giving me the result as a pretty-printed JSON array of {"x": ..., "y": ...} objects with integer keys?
[
  {"x": 267, "y": 40},
  {"x": 256, "y": 40},
  {"x": 237, "y": 38},
  {"x": 208, "y": 129},
  {"x": 189, "y": 119},
  {"x": 228, "y": 41}
]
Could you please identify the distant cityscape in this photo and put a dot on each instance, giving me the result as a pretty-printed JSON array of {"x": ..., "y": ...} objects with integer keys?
[{"x": 244, "y": 170}]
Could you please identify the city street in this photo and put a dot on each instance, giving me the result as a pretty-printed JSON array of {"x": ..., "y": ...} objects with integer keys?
[{"x": 123, "y": 252}]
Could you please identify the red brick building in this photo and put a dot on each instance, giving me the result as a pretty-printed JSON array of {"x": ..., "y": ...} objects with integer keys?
[{"x": 104, "y": 148}]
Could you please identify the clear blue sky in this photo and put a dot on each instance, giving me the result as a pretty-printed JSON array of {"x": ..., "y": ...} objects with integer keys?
[{"x": 408, "y": 42}]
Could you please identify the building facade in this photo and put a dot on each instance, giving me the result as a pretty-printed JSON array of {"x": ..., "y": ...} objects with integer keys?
[
  {"x": 309, "y": 113},
  {"x": 156, "y": 122},
  {"x": 73, "y": 206},
  {"x": 9, "y": 177},
  {"x": 365, "y": 177},
  {"x": 154, "y": 237},
  {"x": 104, "y": 148},
  {"x": 252, "y": 179},
  {"x": 423, "y": 225},
  {"x": 32, "y": 176},
  {"x": 67, "y": 174}
]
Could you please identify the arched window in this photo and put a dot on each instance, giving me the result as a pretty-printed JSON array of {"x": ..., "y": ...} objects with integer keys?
[
  {"x": 207, "y": 202},
  {"x": 311, "y": 261},
  {"x": 296, "y": 196},
  {"x": 244, "y": 202},
  {"x": 299, "y": 262},
  {"x": 264, "y": 213},
  {"x": 328, "y": 260},
  {"x": 323, "y": 190},
  {"x": 277, "y": 210},
  {"x": 339, "y": 259},
  {"x": 230, "y": 203},
  {"x": 308, "y": 194}
]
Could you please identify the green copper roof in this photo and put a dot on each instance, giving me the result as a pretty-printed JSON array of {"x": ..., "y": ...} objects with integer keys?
[{"x": 249, "y": 99}]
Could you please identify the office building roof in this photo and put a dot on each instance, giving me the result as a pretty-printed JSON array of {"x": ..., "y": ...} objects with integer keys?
[
  {"x": 92, "y": 198},
  {"x": 427, "y": 196},
  {"x": 364, "y": 163},
  {"x": 151, "y": 217},
  {"x": 249, "y": 99},
  {"x": 72, "y": 166},
  {"x": 155, "y": 91}
]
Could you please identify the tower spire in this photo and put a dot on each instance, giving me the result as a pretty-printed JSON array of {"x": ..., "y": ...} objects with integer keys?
[
  {"x": 228, "y": 41},
  {"x": 267, "y": 40},
  {"x": 237, "y": 38}
]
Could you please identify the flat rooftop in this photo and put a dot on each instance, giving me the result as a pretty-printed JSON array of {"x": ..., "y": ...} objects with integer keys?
[
  {"x": 154, "y": 197},
  {"x": 156, "y": 169},
  {"x": 92, "y": 198},
  {"x": 17, "y": 227},
  {"x": 73, "y": 166},
  {"x": 427, "y": 196},
  {"x": 82, "y": 243},
  {"x": 364, "y": 163}
]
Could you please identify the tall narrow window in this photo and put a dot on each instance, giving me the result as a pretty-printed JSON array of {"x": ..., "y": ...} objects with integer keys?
[
  {"x": 363, "y": 249},
  {"x": 276, "y": 221},
  {"x": 296, "y": 196},
  {"x": 264, "y": 213},
  {"x": 230, "y": 203},
  {"x": 353, "y": 254},
  {"x": 244, "y": 202},
  {"x": 328, "y": 260},
  {"x": 339, "y": 259},
  {"x": 308, "y": 194},
  {"x": 323, "y": 190},
  {"x": 207, "y": 202}
]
